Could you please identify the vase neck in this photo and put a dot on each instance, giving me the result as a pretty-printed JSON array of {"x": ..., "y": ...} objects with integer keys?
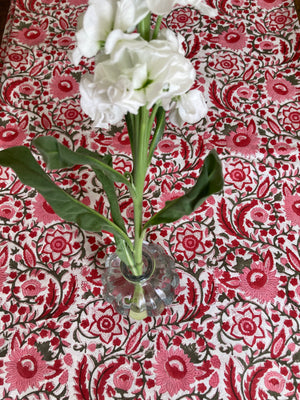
[{"x": 147, "y": 270}]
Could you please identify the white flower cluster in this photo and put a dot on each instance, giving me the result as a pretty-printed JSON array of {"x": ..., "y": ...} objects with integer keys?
[{"x": 131, "y": 72}]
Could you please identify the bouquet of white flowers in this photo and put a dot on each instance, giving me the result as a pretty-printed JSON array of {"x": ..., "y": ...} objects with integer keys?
[{"x": 142, "y": 75}]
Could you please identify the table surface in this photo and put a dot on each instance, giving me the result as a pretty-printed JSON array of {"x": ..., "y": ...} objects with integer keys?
[{"x": 233, "y": 330}]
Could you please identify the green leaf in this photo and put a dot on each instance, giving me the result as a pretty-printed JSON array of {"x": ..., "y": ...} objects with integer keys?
[
  {"x": 159, "y": 131},
  {"x": 209, "y": 182},
  {"x": 31, "y": 174},
  {"x": 58, "y": 156}
]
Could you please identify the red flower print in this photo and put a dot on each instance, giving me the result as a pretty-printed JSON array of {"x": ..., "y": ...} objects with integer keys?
[
  {"x": 17, "y": 57},
  {"x": 11, "y": 135},
  {"x": 279, "y": 19},
  {"x": 43, "y": 211},
  {"x": 269, "y": 4},
  {"x": 279, "y": 89},
  {"x": 274, "y": 381},
  {"x": 247, "y": 326},
  {"x": 105, "y": 323},
  {"x": 123, "y": 379},
  {"x": 290, "y": 118},
  {"x": 292, "y": 208},
  {"x": 258, "y": 282},
  {"x": 227, "y": 63},
  {"x": 244, "y": 140},
  {"x": 190, "y": 242},
  {"x": 62, "y": 86},
  {"x": 238, "y": 174},
  {"x": 181, "y": 17},
  {"x": 32, "y": 36},
  {"x": 31, "y": 288},
  {"x": 234, "y": 39},
  {"x": 174, "y": 371},
  {"x": 25, "y": 368},
  {"x": 68, "y": 113},
  {"x": 121, "y": 142},
  {"x": 58, "y": 244}
]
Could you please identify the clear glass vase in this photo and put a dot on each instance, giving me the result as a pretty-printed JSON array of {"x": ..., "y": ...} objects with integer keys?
[{"x": 144, "y": 295}]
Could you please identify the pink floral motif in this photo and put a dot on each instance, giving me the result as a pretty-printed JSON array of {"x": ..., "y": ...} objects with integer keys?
[
  {"x": 43, "y": 211},
  {"x": 274, "y": 381},
  {"x": 227, "y": 63},
  {"x": 18, "y": 57},
  {"x": 25, "y": 368},
  {"x": 32, "y": 36},
  {"x": 123, "y": 379},
  {"x": 259, "y": 214},
  {"x": 269, "y": 4},
  {"x": 68, "y": 113},
  {"x": 245, "y": 140},
  {"x": 181, "y": 17},
  {"x": 11, "y": 135},
  {"x": 190, "y": 242},
  {"x": 31, "y": 288},
  {"x": 247, "y": 326},
  {"x": 292, "y": 208},
  {"x": 291, "y": 118},
  {"x": 279, "y": 19},
  {"x": 62, "y": 86},
  {"x": 235, "y": 39},
  {"x": 258, "y": 282},
  {"x": 280, "y": 89},
  {"x": 58, "y": 244},
  {"x": 105, "y": 323},
  {"x": 174, "y": 371},
  {"x": 238, "y": 174},
  {"x": 121, "y": 142}
]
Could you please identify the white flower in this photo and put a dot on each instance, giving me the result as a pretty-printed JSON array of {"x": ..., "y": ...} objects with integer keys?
[
  {"x": 102, "y": 17},
  {"x": 190, "y": 107},
  {"x": 136, "y": 73},
  {"x": 163, "y": 7},
  {"x": 156, "y": 68}
]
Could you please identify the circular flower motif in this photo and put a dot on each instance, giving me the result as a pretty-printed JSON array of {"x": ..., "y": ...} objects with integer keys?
[
  {"x": 68, "y": 113},
  {"x": 243, "y": 141},
  {"x": 258, "y": 282},
  {"x": 102, "y": 322},
  {"x": 279, "y": 89},
  {"x": 11, "y": 135},
  {"x": 292, "y": 208},
  {"x": 62, "y": 86},
  {"x": 226, "y": 62},
  {"x": 43, "y": 211},
  {"x": 191, "y": 240},
  {"x": 238, "y": 174},
  {"x": 11, "y": 210},
  {"x": 17, "y": 57},
  {"x": 32, "y": 36},
  {"x": 120, "y": 376},
  {"x": 247, "y": 326},
  {"x": 233, "y": 38},
  {"x": 25, "y": 368},
  {"x": 121, "y": 142},
  {"x": 279, "y": 19},
  {"x": 290, "y": 118},
  {"x": 269, "y": 4},
  {"x": 31, "y": 288},
  {"x": 246, "y": 323},
  {"x": 274, "y": 381},
  {"x": 58, "y": 244},
  {"x": 181, "y": 17},
  {"x": 174, "y": 371}
]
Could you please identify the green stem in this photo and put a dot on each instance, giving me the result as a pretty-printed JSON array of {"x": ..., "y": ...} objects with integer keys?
[
  {"x": 157, "y": 26},
  {"x": 144, "y": 27}
]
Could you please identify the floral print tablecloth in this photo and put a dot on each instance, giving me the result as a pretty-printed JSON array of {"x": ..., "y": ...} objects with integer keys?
[{"x": 233, "y": 332}]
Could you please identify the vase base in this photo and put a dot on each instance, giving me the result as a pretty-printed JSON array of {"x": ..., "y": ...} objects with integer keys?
[{"x": 147, "y": 297}]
